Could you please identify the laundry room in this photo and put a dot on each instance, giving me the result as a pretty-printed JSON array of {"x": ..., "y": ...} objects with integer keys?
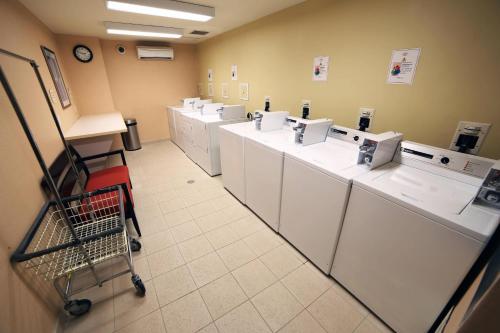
[{"x": 225, "y": 166}]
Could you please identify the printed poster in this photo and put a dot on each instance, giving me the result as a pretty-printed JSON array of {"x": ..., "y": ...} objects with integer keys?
[
  {"x": 403, "y": 66},
  {"x": 234, "y": 72},
  {"x": 210, "y": 75},
  {"x": 244, "y": 94},
  {"x": 320, "y": 68}
]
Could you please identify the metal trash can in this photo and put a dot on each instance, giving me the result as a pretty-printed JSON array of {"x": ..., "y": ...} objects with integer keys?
[{"x": 130, "y": 138}]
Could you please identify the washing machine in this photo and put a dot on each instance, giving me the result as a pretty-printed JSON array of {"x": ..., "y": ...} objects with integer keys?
[
  {"x": 203, "y": 145},
  {"x": 176, "y": 121},
  {"x": 232, "y": 157},
  {"x": 263, "y": 165},
  {"x": 186, "y": 103},
  {"x": 316, "y": 185},
  {"x": 411, "y": 233}
]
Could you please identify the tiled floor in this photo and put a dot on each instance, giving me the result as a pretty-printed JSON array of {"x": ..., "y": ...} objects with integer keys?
[{"x": 210, "y": 265}]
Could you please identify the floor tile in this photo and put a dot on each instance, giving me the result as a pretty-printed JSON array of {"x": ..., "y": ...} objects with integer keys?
[
  {"x": 186, "y": 315},
  {"x": 173, "y": 285},
  {"x": 277, "y": 306},
  {"x": 195, "y": 247},
  {"x": 236, "y": 212},
  {"x": 222, "y": 295},
  {"x": 201, "y": 209},
  {"x": 236, "y": 254},
  {"x": 349, "y": 298},
  {"x": 212, "y": 221},
  {"x": 100, "y": 319},
  {"x": 157, "y": 241},
  {"x": 172, "y": 205},
  {"x": 208, "y": 329},
  {"x": 303, "y": 323},
  {"x": 185, "y": 231},
  {"x": 165, "y": 260},
  {"x": 129, "y": 307},
  {"x": 207, "y": 269},
  {"x": 254, "y": 277},
  {"x": 243, "y": 319},
  {"x": 263, "y": 241},
  {"x": 334, "y": 313},
  {"x": 165, "y": 196},
  {"x": 306, "y": 283},
  {"x": 178, "y": 217},
  {"x": 224, "y": 201},
  {"x": 247, "y": 225},
  {"x": 281, "y": 261},
  {"x": 379, "y": 327},
  {"x": 152, "y": 323},
  {"x": 222, "y": 236},
  {"x": 151, "y": 225}
]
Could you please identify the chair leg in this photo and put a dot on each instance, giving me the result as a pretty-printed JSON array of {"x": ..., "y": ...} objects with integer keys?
[
  {"x": 130, "y": 181},
  {"x": 135, "y": 222}
]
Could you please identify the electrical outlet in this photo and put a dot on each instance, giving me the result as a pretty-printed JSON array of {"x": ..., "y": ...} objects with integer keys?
[
  {"x": 365, "y": 119},
  {"x": 469, "y": 137},
  {"x": 53, "y": 96}
]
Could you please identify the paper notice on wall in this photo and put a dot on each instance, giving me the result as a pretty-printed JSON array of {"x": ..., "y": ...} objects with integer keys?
[
  {"x": 210, "y": 90},
  {"x": 234, "y": 72},
  {"x": 403, "y": 65},
  {"x": 244, "y": 93},
  {"x": 320, "y": 68},
  {"x": 210, "y": 75},
  {"x": 225, "y": 90}
]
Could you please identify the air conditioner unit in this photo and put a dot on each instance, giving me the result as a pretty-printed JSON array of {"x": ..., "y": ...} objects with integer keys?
[{"x": 155, "y": 52}]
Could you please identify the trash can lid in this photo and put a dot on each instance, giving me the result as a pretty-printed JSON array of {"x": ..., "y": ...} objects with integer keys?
[{"x": 130, "y": 121}]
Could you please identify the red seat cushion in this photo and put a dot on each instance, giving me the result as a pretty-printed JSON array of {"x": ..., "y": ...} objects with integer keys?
[{"x": 109, "y": 177}]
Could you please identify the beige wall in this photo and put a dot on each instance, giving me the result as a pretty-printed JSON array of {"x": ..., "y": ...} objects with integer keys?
[
  {"x": 458, "y": 75},
  {"x": 143, "y": 88},
  {"x": 20, "y": 195},
  {"x": 137, "y": 88},
  {"x": 89, "y": 80}
]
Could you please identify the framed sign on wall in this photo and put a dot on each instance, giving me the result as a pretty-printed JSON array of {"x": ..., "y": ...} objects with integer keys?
[{"x": 55, "y": 72}]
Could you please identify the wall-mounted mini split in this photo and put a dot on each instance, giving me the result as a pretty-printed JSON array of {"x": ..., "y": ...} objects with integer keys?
[
  {"x": 267, "y": 103},
  {"x": 306, "y": 108},
  {"x": 469, "y": 137},
  {"x": 365, "y": 122}
]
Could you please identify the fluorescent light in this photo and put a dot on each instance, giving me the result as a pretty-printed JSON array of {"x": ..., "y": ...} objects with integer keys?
[
  {"x": 142, "y": 30},
  {"x": 165, "y": 8}
]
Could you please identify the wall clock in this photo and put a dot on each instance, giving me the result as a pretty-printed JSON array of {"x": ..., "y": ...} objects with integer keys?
[{"x": 83, "y": 53}]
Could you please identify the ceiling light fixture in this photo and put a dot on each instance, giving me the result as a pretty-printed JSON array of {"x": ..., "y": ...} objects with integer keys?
[
  {"x": 142, "y": 30},
  {"x": 166, "y": 8}
]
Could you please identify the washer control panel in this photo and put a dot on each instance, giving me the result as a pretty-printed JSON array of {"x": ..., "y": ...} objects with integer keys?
[{"x": 460, "y": 162}]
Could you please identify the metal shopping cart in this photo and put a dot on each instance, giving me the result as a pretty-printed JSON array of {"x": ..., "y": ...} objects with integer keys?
[{"x": 74, "y": 234}]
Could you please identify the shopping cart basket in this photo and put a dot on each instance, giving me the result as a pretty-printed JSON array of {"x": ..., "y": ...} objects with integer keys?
[{"x": 54, "y": 251}]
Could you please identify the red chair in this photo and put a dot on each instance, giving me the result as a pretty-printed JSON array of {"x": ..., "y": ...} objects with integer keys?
[{"x": 66, "y": 180}]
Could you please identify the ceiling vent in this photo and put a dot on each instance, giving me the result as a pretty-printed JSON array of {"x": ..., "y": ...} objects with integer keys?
[{"x": 199, "y": 32}]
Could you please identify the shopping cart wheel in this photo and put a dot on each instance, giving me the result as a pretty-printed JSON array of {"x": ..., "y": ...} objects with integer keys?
[
  {"x": 135, "y": 245},
  {"x": 78, "y": 307},
  {"x": 139, "y": 286}
]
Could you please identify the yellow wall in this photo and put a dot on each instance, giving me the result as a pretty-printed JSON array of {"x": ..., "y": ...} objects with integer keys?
[
  {"x": 458, "y": 75},
  {"x": 24, "y": 310}
]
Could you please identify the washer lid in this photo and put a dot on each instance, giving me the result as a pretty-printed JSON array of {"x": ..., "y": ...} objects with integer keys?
[
  {"x": 436, "y": 196},
  {"x": 335, "y": 157},
  {"x": 277, "y": 140}
]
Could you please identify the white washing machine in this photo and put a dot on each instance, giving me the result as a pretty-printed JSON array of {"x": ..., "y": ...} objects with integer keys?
[
  {"x": 203, "y": 143},
  {"x": 232, "y": 157},
  {"x": 232, "y": 139},
  {"x": 264, "y": 154},
  {"x": 411, "y": 233},
  {"x": 186, "y": 103},
  {"x": 316, "y": 185},
  {"x": 176, "y": 124}
]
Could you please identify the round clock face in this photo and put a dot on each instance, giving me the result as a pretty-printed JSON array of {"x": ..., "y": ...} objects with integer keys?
[{"x": 82, "y": 53}]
